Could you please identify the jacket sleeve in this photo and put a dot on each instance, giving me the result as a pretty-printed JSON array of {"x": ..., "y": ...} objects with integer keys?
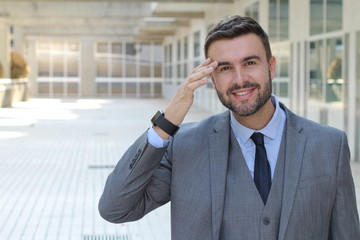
[
  {"x": 344, "y": 219},
  {"x": 139, "y": 183}
]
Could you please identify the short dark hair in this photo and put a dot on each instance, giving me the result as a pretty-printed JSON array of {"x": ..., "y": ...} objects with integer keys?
[{"x": 234, "y": 26}]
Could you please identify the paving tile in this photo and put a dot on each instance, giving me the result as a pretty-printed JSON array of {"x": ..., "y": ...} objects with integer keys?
[{"x": 54, "y": 162}]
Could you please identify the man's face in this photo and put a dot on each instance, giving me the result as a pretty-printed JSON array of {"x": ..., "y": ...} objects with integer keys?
[{"x": 243, "y": 77}]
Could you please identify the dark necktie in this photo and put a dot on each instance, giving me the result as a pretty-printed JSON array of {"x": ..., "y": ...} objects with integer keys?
[{"x": 262, "y": 172}]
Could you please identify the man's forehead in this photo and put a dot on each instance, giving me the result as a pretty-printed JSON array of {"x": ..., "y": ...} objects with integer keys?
[{"x": 246, "y": 45}]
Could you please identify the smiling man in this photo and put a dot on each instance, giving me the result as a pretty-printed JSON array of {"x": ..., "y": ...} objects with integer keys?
[{"x": 256, "y": 171}]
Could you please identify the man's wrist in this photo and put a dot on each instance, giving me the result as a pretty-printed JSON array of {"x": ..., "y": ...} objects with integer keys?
[
  {"x": 155, "y": 139},
  {"x": 161, "y": 123}
]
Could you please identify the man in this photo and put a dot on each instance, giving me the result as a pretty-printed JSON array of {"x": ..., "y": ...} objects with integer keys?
[{"x": 257, "y": 171}]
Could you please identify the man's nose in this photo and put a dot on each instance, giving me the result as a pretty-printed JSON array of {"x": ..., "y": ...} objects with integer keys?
[{"x": 239, "y": 77}]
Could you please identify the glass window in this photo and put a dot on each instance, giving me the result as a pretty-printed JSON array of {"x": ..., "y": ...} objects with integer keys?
[
  {"x": 197, "y": 44},
  {"x": 168, "y": 67},
  {"x": 58, "y": 58},
  {"x": 57, "y": 47},
  {"x": 326, "y": 75},
  {"x": 283, "y": 30},
  {"x": 325, "y": 16},
  {"x": 186, "y": 44},
  {"x": 272, "y": 19},
  {"x": 282, "y": 54},
  {"x": 116, "y": 48},
  {"x": 316, "y": 16},
  {"x": 73, "y": 47},
  {"x": 130, "y": 60},
  {"x": 43, "y": 66},
  {"x": 334, "y": 78},
  {"x": 281, "y": 82},
  {"x": 178, "y": 71},
  {"x": 73, "y": 67},
  {"x": 102, "y": 47},
  {"x": 178, "y": 50},
  {"x": 253, "y": 11},
  {"x": 158, "y": 59},
  {"x": 170, "y": 53},
  {"x": 102, "y": 67},
  {"x": 185, "y": 69},
  {"x": 145, "y": 60},
  {"x": 42, "y": 45},
  {"x": 116, "y": 67},
  {"x": 333, "y": 15},
  {"x": 316, "y": 70},
  {"x": 166, "y": 53},
  {"x": 58, "y": 69},
  {"x": 278, "y": 20}
]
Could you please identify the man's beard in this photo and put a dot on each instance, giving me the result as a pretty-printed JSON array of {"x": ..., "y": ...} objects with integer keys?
[{"x": 246, "y": 108}]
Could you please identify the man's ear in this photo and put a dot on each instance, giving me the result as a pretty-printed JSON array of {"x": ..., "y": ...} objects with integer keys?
[{"x": 272, "y": 67}]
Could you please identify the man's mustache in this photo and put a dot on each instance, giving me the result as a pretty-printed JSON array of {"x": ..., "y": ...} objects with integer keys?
[{"x": 245, "y": 85}]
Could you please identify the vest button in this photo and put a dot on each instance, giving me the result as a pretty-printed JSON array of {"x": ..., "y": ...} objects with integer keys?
[{"x": 266, "y": 221}]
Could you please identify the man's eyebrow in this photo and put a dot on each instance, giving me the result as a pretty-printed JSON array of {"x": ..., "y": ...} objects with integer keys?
[
  {"x": 251, "y": 57},
  {"x": 223, "y": 63},
  {"x": 243, "y": 60}
]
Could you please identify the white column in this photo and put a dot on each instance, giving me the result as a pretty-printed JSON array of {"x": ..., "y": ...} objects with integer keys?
[
  {"x": 87, "y": 71},
  {"x": 32, "y": 62},
  {"x": 5, "y": 57},
  {"x": 18, "y": 37}
]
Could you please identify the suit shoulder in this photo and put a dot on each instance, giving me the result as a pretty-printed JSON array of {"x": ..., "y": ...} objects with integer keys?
[
  {"x": 319, "y": 130},
  {"x": 202, "y": 127}
]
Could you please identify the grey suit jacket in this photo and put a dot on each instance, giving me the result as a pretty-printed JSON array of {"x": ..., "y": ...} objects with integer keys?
[{"x": 318, "y": 195}]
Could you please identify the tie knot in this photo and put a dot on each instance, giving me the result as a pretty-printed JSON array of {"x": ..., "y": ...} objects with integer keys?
[{"x": 258, "y": 138}]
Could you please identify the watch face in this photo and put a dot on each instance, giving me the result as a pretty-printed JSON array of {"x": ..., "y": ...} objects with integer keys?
[
  {"x": 159, "y": 120},
  {"x": 156, "y": 116}
]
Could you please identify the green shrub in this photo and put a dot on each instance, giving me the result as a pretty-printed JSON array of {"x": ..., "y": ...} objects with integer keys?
[{"x": 19, "y": 68}]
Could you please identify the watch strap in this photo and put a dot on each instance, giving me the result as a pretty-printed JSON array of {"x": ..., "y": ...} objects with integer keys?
[{"x": 160, "y": 121}]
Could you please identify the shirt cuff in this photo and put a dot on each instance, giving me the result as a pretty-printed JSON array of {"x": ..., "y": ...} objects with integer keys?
[{"x": 155, "y": 140}]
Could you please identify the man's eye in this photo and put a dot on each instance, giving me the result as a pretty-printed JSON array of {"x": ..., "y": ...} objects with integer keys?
[
  {"x": 224, "y": 68},
  {"x": 250, "y": 63}
]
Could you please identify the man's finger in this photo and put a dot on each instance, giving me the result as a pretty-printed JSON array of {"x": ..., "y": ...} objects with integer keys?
[
  {"x": 194, "y": 85},
  {"x": 205, "y": 63},
  {"x": 200, "y": 74}
]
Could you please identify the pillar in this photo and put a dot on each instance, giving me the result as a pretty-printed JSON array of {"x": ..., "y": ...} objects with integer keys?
[
  {"x": 5, "y": 57},
  {"x": 32, "y": 62},
  {"x": 87, "y": 86}
]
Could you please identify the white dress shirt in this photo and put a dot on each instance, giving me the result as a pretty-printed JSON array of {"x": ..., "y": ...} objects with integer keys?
[{"x": 272, "y": 137}]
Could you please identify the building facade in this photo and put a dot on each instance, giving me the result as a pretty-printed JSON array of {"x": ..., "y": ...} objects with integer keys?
[{"x": 316, "y": 43}]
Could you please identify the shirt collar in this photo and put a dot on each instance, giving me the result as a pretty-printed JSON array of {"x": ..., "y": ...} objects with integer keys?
[{"x": 270, "y": 130}]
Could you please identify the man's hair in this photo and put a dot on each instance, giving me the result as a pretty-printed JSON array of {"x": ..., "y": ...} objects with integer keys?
[{"x": 234, "y": 26}]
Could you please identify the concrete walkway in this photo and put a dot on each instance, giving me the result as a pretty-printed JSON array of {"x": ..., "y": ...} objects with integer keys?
[{"x": 55, "y": 157}]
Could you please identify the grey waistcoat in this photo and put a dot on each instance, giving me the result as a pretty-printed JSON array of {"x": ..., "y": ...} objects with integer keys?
[{"x": 245, "y": 216}]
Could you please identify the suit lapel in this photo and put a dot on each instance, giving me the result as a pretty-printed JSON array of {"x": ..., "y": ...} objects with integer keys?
[
  {"x": 218, "y": 154},
  {"x": 295, "y": 146}
]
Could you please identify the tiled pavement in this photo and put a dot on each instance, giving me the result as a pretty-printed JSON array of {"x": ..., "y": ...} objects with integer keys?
[{"x": 55, "y": 157}]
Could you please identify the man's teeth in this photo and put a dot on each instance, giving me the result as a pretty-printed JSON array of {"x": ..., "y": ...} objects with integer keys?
[{"x": 242, "y": 93}]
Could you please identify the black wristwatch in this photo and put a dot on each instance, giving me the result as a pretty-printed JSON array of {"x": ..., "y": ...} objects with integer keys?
[{"x": 159, "y": 120}]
